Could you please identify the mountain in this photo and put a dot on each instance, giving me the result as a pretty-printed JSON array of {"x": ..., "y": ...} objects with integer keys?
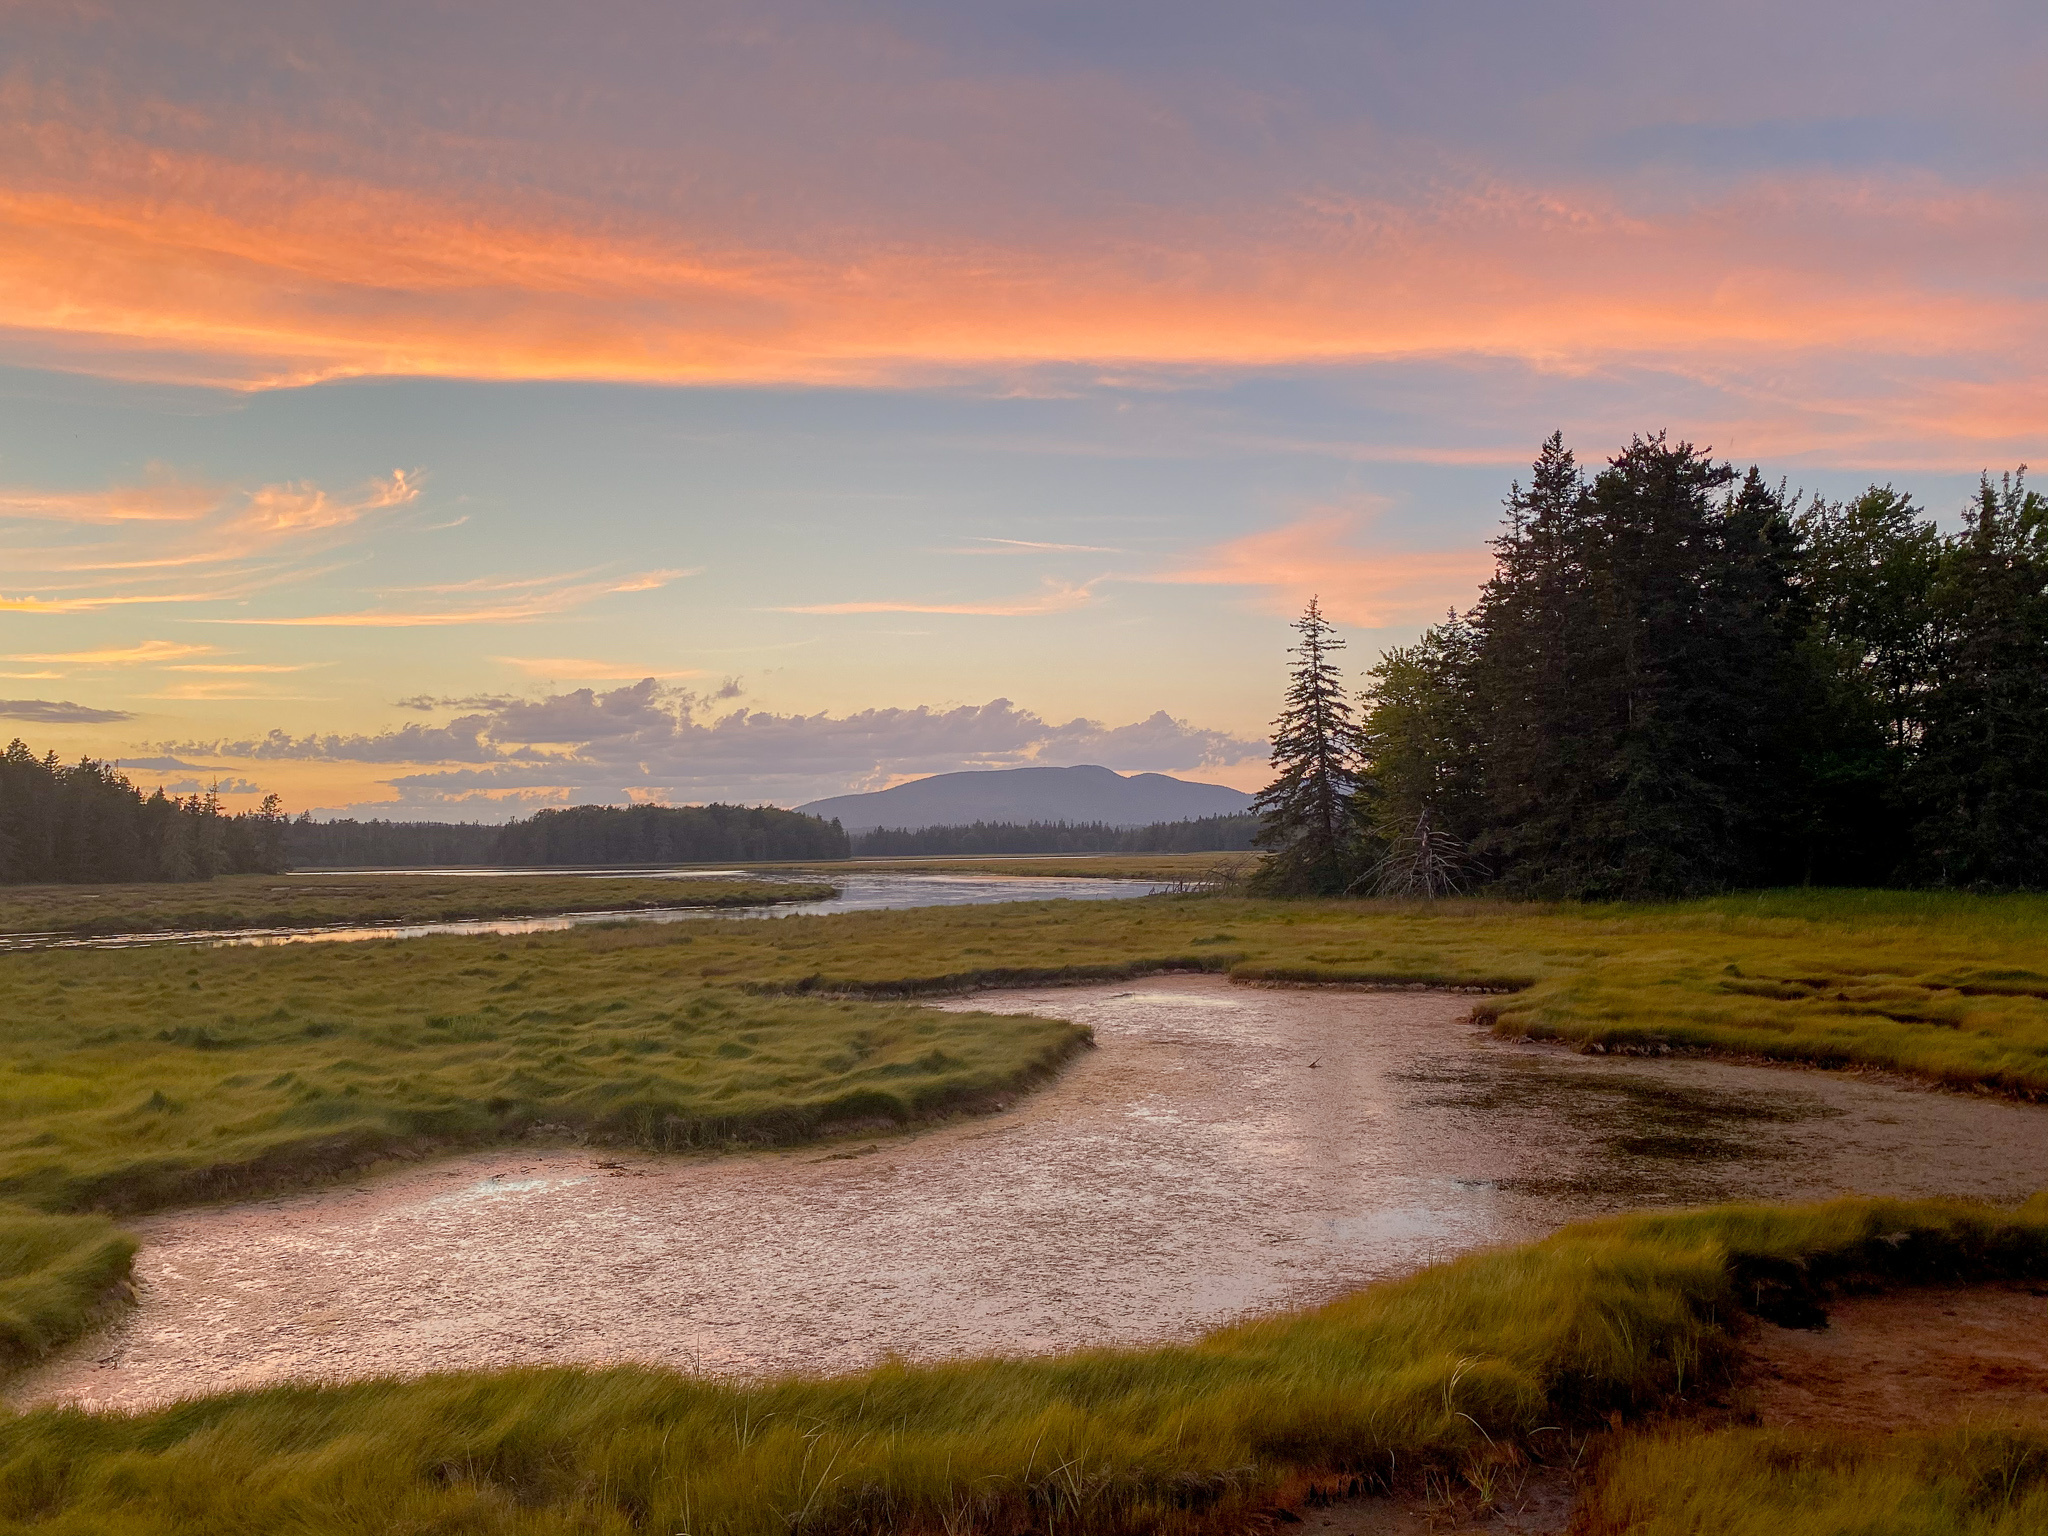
[{"x": 1032, "y": 794}]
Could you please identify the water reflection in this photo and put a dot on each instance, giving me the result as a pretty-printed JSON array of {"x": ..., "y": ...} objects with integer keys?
[
  {"x": 857, "y": 893},
  {"x": 1226, "y": 1150}
]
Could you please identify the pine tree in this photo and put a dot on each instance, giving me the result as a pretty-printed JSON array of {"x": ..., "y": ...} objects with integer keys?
[
  {"x": 1537, "y": 629},
  {"x": 1306, "y": 821},
  {"x": 1868, "y": 569},
  {"x": 1983, "y": 762},
  {"x": 1422, "y": 783},
  {"x": 1639, "y": 650}
]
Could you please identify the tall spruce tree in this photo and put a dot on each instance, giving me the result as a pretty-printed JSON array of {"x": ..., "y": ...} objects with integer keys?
[
  {"x": 1640, "y": 641},
  {"x": 1982, "y": 769},
  {"x": 1538, "y": 631},
  {"x": 1306, "y": 819}
]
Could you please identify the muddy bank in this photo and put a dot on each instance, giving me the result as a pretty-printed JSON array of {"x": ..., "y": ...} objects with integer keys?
[
  {"x": 1227, "y": 1150},
  {"x": 1918, "y": 1360}
]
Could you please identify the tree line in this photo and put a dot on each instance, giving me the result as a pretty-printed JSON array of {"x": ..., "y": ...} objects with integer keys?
[
  {"x": 1683, "y": 679},
  {"x": 347, "y": 844},
  {"x": 583, "y": 834},
  {"x": 1203, "y": 834},
  {"x": 86, "y": 822},
  {"x": 380, "y": 844},
  {"x": 665, "y": 834}
]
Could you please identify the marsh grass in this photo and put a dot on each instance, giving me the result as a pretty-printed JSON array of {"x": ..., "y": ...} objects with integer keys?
[
  {"x": 1162, "y": 868},
  {"x": 57, "y": 1274},
  {"x": 1986, "y": 1479},
  {"x": 137, "y": 1078},
  {"x": 1944, "y": 986},
  {"x": 317, "y": 899},
  {"x": 1464, "y": 1368}
]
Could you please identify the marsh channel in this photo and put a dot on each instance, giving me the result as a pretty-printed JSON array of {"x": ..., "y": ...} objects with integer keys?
[
  {"x": 1225, "y": 1150},
  {"x": 857, "y": 893}
]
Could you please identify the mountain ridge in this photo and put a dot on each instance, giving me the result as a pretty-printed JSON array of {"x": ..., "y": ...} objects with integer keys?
[{"x": 1086, "y": 792}]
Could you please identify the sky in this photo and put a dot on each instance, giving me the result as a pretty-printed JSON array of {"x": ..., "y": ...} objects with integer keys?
[{"x": 442, "y": 410}]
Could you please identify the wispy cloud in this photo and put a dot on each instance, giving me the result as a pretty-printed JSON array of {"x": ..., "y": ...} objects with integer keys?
[
  {"x": 1058, "y": 597},
  {"x": 990, "y": 546},
  {"x": 146, "y": 653},
  {"x": 538, "y": 598},
  {"x": 1322, "y": 555},
  {"x": 175, "y": 542},
  {"x": 1239, "y": 201}
]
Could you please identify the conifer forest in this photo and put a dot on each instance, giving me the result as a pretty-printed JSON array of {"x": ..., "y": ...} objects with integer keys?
[{"x": 1683, "y": 679}]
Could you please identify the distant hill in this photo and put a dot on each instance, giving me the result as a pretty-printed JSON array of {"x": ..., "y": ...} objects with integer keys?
[{"x": 1079, "y": 795}]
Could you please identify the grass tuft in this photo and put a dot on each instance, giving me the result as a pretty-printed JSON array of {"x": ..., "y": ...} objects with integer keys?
[
  {"x": 1977, "y": 1480},
  {"x": 58, "y": 1276}
]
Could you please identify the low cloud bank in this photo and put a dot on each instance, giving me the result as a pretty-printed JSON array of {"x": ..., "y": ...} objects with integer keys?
[
  {"x": 59, "y": 712},
  {"x": 648, "y": 741}
]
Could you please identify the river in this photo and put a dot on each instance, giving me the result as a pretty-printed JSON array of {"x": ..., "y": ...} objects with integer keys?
[{"x": 857, "y": 893}]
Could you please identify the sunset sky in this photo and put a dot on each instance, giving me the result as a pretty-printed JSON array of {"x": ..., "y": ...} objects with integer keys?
[{"x": 439, "y": 409}]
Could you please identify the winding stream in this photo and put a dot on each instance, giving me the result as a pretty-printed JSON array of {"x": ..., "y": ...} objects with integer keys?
[
  {"x": 857, "y": 893},
  {"x": 1226, "y": 1150}
]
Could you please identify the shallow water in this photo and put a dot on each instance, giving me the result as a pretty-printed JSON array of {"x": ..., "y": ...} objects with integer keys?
[
  {"x": 1227, "y": 1150},
  {"x": 857, "y": 893}
]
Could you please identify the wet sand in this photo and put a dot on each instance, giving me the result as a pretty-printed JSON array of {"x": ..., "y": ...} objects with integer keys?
[{"x": 1227, "y": 1150}]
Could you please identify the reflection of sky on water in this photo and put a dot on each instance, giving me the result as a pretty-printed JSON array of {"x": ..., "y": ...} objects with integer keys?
[
  {"x": 857, "y": 893},
  {"x": 1228, "y": 1151}
]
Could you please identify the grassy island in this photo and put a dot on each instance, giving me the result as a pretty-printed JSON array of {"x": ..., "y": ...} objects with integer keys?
[{"x": 323, "y": 899}]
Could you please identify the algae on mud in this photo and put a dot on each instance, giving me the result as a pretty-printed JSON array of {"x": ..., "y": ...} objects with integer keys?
[{"x": 1461, "y": 1368}]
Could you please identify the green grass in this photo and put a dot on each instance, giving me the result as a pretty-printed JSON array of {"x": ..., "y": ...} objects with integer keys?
[
  {"x": 1163, "y": 868},
  {"x": 284, "y": 901},
  {"x": 137, "y": 1078},
  {"x": 1943, "y": 986},
  {"x": 1976, "y": 1480},
  {"x": 1458, "y": 1369},
  {"x": 57, "y": 1274}
]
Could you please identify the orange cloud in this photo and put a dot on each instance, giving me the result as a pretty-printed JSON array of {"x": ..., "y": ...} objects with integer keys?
[
  {"x": 1058, "y": 597},
  {"x": 149, "y": 651},
  {"x": 184, "y": 542},
  {"x": 176, "y": 264},
  {"x": 541, "y": 599},
  {"x": 1320, "y": 556}
]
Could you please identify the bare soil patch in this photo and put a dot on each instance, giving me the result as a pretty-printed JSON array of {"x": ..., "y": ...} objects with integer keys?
[{"x": 1913, "y": 1360}]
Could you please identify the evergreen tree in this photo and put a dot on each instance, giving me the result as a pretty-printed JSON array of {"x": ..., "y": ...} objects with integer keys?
[
  {"x": 1982, "y": 770},
  {"x": 1639, "y": 643},
  {"x": 1422, "y": 784},
  {"x": 1871, "y": 565},
  {"x": 1537, "y": 631},
  {"x": 1306, "y": 818},
  {"x": 1869, "y": 569},
  {"x": 87, "y": 822}
]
